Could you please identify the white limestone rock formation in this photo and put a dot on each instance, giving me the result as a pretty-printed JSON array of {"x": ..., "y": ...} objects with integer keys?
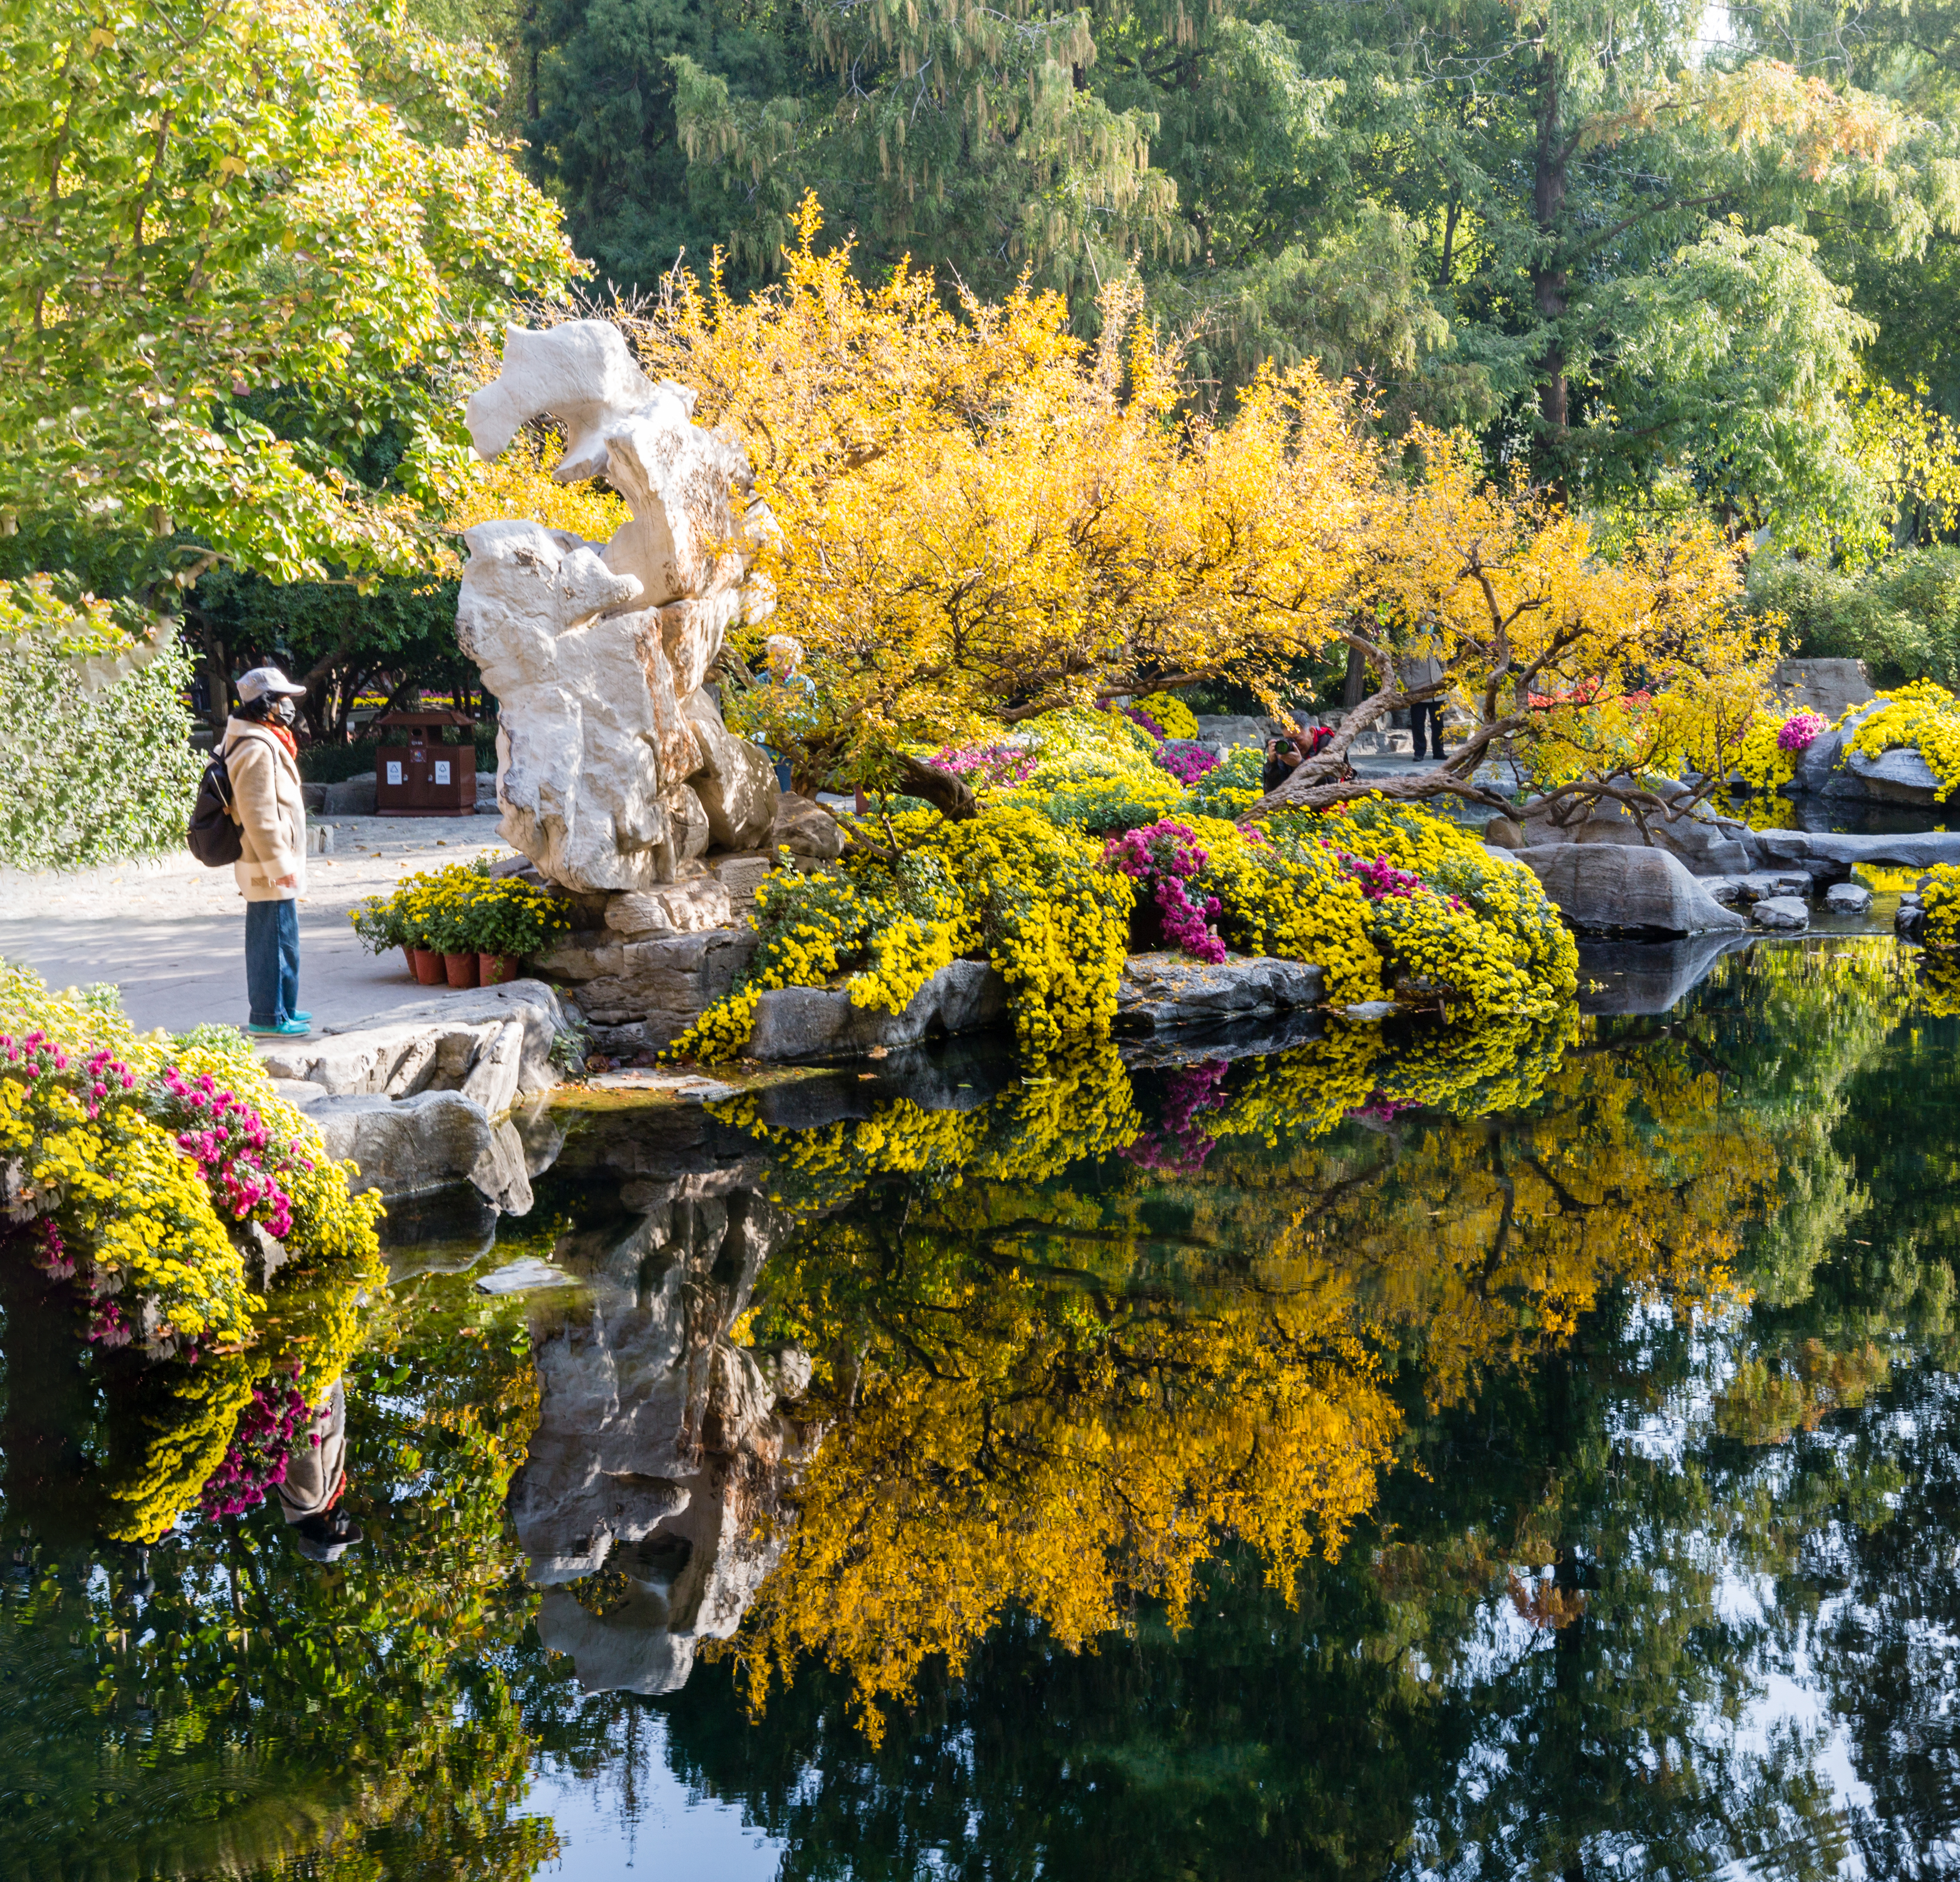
[
  {"x": 614, "y": 768},
  {"x": 661, "y": 1446}
]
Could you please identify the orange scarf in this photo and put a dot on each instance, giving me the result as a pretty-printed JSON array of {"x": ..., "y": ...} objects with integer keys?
[{"x": 285, "y": 737}]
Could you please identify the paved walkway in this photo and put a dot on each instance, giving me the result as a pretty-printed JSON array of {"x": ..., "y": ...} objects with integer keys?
[{"x": 171, "y": 934}]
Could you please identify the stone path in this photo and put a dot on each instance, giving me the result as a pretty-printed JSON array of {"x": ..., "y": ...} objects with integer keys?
[{"x": 171, "y": 934}]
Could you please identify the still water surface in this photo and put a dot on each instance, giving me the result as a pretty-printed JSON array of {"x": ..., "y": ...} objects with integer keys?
[{"x": 1523, "y": 1453}]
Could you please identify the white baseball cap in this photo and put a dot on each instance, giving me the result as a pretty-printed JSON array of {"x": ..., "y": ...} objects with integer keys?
[{"x": 262, "y": 680}]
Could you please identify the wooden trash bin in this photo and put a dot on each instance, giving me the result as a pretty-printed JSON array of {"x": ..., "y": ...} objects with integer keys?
[{"x": 420, "y": 776}]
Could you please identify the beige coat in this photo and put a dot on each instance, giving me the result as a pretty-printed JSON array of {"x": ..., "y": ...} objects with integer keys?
[{"x": 270, "y": 813}]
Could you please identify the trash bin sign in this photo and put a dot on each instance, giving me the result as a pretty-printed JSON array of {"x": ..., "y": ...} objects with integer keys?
[{"x": 425, "y": 774}]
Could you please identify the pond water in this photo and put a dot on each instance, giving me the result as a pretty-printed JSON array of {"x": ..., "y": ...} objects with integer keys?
[{"x": 1526, "y": 1453}]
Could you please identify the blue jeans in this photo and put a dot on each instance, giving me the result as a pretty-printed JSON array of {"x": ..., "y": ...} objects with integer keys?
[{"x": 272, "y": 961}]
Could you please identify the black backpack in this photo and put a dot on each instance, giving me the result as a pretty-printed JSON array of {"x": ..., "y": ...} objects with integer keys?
[{"x": 215, "y": 837}]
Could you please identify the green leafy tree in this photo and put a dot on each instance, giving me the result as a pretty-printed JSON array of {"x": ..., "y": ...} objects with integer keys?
[{"x": 242, "y": 241}]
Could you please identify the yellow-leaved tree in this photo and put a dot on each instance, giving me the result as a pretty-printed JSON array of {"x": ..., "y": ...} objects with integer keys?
[{"x": 985, "y": 517}]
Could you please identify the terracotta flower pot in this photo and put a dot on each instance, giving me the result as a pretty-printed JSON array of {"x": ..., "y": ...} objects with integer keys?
[
  {"x": 492, "y": 970},
  {"x": 427, "y": 964},
  {"x": 461, "y": 970},
  {"x": 408, "y": 955}
]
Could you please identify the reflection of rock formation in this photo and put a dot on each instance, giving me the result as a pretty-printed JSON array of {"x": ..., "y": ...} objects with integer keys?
[
  {"x": 614, "y": 768},
  {"x": 660, "y": 1445}
]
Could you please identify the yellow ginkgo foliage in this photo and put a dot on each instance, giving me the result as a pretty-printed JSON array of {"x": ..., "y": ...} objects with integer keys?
[{"x": 984, "y": 517}]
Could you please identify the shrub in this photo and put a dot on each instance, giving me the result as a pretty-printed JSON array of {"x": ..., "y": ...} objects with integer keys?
[
  {"x": 96, "y": 741},
  {"x": 1940, "y": 898},
  {"x": 142, "y": 1170},
  {"x": 1924, "y": 715},
  {"x": 1169, "y": 714}
]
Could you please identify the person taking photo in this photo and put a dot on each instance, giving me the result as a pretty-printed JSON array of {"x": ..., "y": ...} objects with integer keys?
[{"x": 262, "y": 758}]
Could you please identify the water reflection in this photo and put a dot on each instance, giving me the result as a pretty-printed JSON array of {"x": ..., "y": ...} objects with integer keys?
[{"x": 1528, "y": 1452}]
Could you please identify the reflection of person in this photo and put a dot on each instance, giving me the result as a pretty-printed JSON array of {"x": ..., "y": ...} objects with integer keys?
[
  {"x": 1417, "y": 671},
  {"x": 316, "y": 1475},
  {"x": 262, "y": 758},
  {"x": 784, "y": 664}
]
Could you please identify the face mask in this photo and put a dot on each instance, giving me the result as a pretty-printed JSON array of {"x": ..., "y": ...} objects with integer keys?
[{"x": 282, "y": 713}]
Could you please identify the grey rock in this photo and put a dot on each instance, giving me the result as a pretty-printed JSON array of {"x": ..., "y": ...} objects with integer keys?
[
  {"x": 804, "y": 829},
  {"x": 1820, "y": 770},
  {"x": 1616, "y": 888},
  {"x": 1897, "y": 775},
  {"x": 1829, "y": 687},
  {"x": 1502, "y": 833},
  {"x": 1848, "y": 898},
  {"x": 1830, "y": 856},
  {"x": 805, "y": 1023},
  {"x": 662, "y": 986},
  {"x": 1225, "y": 730},
  {"x": 675, "y": 908},
  {"x": 313, "y": 797},
  {"x": 1781, "y": 911},
  {"x": 1910, "y": 922},
  {"x": 1370, "y": 1012},
  {"x": 737, "y": 788},
  {"x": 353, "y": 797},
  {"x": 1708, "y": 845},
  {"x": 1741, "y": 891},
  {"x": 741, "y": 875},
  {"x": 1161, "y": 990},
  {"x": 492, "y": 1044},
  {"x": 409, "y": 1147}
]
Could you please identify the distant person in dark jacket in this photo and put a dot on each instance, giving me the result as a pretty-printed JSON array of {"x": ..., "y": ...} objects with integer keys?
[{"x": 1425, "y": 716}]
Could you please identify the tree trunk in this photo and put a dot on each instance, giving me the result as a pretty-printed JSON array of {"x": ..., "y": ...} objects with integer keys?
[
  {"x": 946, "y": 794},
  {"x": 1354, "y": 683}
]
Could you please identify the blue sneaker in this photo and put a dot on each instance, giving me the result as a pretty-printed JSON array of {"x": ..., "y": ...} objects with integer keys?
[
  {"x": 293, "y": 1028},
  {"x": 306, "y": 1018}
]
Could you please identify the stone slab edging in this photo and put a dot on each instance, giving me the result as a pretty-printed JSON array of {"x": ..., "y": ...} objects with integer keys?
[
  {"x": 419, "y": 1098},
  {"x": 1830, "y": 857}
]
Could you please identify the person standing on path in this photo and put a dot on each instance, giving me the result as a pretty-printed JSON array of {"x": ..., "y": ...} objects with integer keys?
[
  {"x": 262, "y": 758},
  {"x": 796, "y": 692},
  {"x": 1417, "y": 671}
]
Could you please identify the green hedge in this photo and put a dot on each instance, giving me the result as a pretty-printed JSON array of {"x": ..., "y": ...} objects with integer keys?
[
  {"x": 330, "y": 764},
  {"x": 88, "y": 776}
]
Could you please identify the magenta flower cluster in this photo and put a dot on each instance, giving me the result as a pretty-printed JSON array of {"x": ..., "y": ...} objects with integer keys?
[
  {"x": 261, "y": 1448},
  {"x": 1381, "y": 879},
  {"x": 1003, "y": 765},
  {"x": 108, "y": 1327},
  {"x": 1180, "y": 1145},
  {"x": 1800, "y": 732},
  {"x": 100, "y": 1076},
  {"x": 240, "y": 1163},
  {"x": 1137, "y": 715},
  {"x": 236, "y": 1155},
  {"x": 1166, "y": 855},
  {"x": 1186, "y": 764}
]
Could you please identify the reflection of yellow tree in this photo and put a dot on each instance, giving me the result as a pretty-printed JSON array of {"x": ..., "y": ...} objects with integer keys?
[
  {"x": 1037, "y": 1395},
  {"x": 1008, "y": 1431}
]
